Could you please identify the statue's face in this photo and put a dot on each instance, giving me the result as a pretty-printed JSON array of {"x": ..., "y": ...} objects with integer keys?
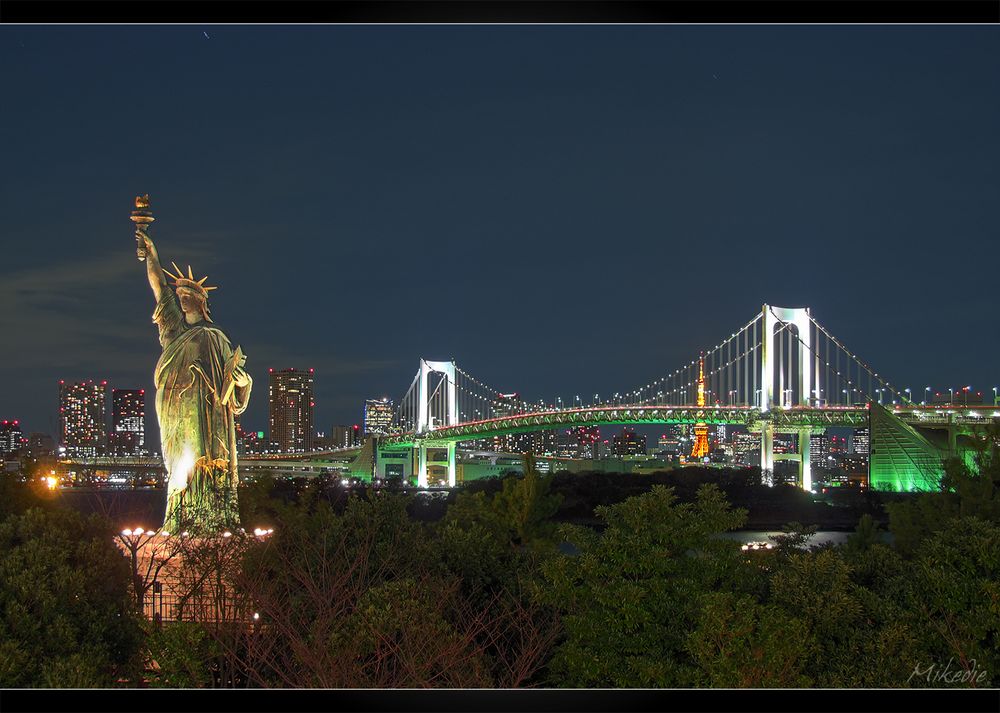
[{"x": 190, "y": 303}]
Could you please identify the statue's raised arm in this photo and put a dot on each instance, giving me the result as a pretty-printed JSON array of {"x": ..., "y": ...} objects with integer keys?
[{"x": 157, "y": 280}]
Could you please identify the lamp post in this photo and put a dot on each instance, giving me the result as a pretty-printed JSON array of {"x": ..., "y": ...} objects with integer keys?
[
  {"x": 908, "y": 395},
  {"x": 927, "y": 392}
]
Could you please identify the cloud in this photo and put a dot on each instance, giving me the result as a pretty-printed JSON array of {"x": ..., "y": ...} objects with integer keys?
[{"x": 82, "y": 316}]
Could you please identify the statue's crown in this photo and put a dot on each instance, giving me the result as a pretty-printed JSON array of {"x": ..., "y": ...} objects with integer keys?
[{"x": 189, "y": 282}]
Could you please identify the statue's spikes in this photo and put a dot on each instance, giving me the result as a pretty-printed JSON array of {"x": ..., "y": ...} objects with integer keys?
[
  {"x": 180, "y": 273},
  {"x": 190, "y": 273},
  {"x": 210, "y": 288},
  {"x": 202, "y": 280}
]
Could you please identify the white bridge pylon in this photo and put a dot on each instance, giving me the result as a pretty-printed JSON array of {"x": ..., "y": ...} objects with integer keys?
[
  {"x": 799, "y": 318},
  {"x": 424, "y": 421}
]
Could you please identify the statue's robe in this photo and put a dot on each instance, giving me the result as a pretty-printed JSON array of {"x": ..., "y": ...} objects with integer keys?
[{"x": 196, "y": 405}]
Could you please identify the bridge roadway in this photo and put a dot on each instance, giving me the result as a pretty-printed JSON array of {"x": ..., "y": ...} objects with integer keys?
[
  {"x": 962, "y": 418},
  {"x": 791, "y": 418}
]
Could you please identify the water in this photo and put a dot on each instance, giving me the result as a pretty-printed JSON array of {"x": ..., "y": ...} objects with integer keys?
[
  {"x": 144, "y": 507},
  {"x": 134, "y": 507},
  {"x": 822, "y": 537}
]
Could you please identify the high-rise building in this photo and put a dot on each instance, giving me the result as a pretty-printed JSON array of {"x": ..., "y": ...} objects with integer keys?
[
  {"x": 838, "y": 445},
  {"x": 83, "y": 414},
  {"x": 41, "y": 445},
  {"x": 290, "y": 407},
  {"x": 128, "y": 422},
  {"x": 819, "y": 450},
  {"x": 746, "y": 448},
  {"x": 579, "y": 442},
  {"x": 378, "y": 416},
  {"x": 10, "y": 437},
  {"x": 345, "y": 436},
  {"x": 785, "y": 443},
  {"x": 543, "y": 443},
  {"x": 628, "y": 443},
  {"x": 509, "y": 405},
  {"x": 861, "y": 442}
]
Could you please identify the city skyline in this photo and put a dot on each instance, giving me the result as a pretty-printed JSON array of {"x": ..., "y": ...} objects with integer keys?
[{"x": 508, "y": 166}]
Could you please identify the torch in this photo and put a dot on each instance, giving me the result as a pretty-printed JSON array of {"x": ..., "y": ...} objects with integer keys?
[{"x": 142, "y": 217}]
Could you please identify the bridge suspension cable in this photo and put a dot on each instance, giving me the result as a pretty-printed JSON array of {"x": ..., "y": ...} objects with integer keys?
[{"x": 808, "y": 366}]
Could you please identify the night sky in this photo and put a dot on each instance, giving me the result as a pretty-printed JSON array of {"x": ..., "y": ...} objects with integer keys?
[{"x": 563, "y": 210}]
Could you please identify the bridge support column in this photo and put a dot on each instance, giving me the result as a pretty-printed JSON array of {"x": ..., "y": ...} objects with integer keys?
[
  {"x": 452, "y": 471},
  {"x": 805, "y": 464},
  {"x": 421, "y": 466},
  {"x": 767, "y": 453}
]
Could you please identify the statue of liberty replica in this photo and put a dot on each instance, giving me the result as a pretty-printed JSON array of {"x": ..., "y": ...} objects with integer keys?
[{"x": 201, "y": 387}]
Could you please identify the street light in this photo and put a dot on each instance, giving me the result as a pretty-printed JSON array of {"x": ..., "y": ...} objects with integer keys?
[
  {"x": 927, "y": 391},
  {"x": 909, "y": 395}
]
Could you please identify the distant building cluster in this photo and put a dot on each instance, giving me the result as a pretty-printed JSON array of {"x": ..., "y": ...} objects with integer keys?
[{"x": 84, "y": 428}]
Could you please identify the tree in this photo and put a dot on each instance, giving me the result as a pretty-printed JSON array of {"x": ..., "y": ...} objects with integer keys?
[
  {"x": 956, "y": 596},
  {"x": 525, "y": 504},
  {"x": 864, "y": 536},
  {"x": 364, "y": 599},
  {"x": 739, "y": 643},
  {"x": 965, "y": 492},
  {"x": 67, "y": 616},
  {"x": 630, "y": 598}
]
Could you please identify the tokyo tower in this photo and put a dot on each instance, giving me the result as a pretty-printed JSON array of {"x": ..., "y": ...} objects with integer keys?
[{"x": 700, "y": 448}]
